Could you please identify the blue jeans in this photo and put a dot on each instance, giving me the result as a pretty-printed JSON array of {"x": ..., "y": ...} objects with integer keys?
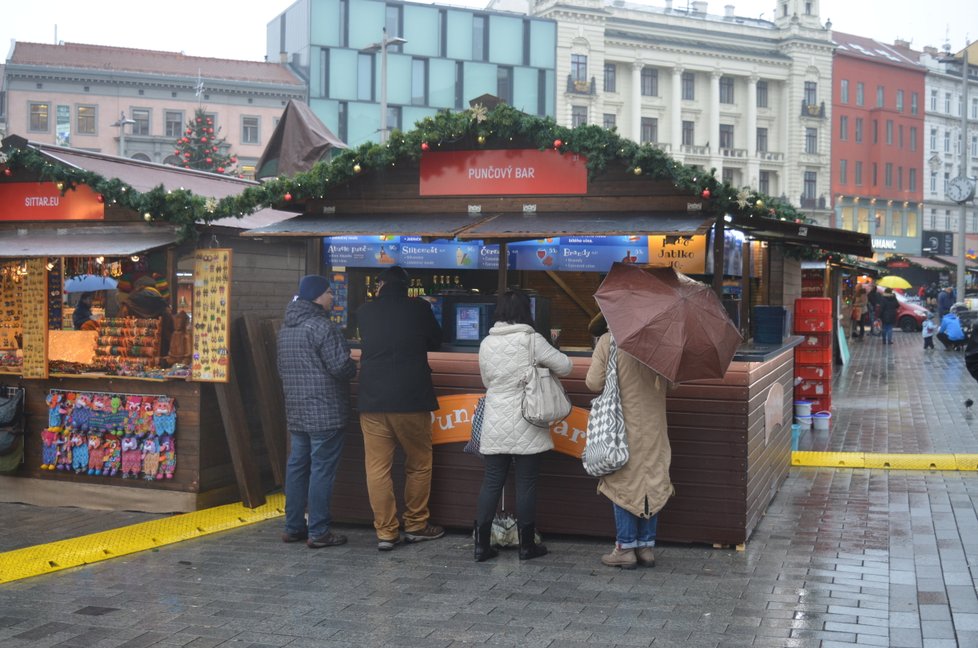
[
  {"x": 309, "y": 478},
  {"x": 888, "y": 333},
  {"x": 632, "y": 531}
]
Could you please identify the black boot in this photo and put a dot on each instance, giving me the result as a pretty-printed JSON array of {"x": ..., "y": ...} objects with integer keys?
[
  {"x": 528, "y": 546},
  {"x": 483, "y": 546}
]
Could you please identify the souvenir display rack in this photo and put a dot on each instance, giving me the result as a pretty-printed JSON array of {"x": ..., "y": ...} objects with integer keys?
[
  {"x": 127, "y": 344},
  {"x": 212, "y": 309}
]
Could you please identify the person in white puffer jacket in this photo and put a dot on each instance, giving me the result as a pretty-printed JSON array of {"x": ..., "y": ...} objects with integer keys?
[{"x": 504, "y": 361}]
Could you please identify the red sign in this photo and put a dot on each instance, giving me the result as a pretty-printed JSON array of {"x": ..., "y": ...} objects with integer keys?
[
  {"x": 898, "y": 264},
  {"x": 511, "y": 172},
  {"x": 41, "y": 201}
]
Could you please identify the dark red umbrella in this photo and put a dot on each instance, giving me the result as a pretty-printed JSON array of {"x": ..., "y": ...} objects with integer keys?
[{"x": 671, "y": 323}]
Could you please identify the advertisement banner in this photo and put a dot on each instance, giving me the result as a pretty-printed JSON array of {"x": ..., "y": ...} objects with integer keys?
[
  {"x": 361, "y": 251},
  {"x": 43, "y": 201},
  {"x": 687, "y": 254},
  {"x": 443, "y": 255},
  {"x": 502, "y": 172}
]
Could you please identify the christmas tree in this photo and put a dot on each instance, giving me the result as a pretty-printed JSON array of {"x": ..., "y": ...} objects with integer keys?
[{"x": 201, "y": 148}]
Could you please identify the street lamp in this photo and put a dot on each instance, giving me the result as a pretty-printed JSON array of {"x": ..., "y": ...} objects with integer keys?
[
  {"x": 382, "y": 48},
  {"x": 121, "y": 124}
]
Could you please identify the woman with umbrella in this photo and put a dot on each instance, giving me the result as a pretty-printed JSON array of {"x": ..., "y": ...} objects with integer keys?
[{"x": 82, "y": 319}]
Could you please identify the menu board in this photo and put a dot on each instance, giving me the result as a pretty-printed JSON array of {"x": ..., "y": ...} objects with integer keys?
[
  {"x": 341, "y": 300},
  {"x": 35, "y": 318},
  {"x": 211, "y": 322}
]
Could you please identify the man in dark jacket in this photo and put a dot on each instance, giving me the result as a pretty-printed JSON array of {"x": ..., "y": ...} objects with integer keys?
[
  {"x": 395, "y": 399},
  {"x": 315, "y": 366}
]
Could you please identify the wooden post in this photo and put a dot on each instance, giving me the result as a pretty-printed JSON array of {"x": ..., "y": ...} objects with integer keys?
[
  {"x": 745, "y": 290},
  {"x": 272, "y": 411},
  {"x": 237, "y": 432},
  {"x": 718, "y": 240}
]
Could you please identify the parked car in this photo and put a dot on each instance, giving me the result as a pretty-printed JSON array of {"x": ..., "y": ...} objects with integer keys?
[{"x": 910, "y": 316}]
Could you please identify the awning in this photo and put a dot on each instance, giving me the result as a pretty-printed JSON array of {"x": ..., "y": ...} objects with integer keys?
[
  {"x": 928, "y": 263},
  {"x": 826, "y": 238},
  {"x": 534, "y": 225},
  {"x": 95, "y": 240},
  {"x": 426, "y": 225},
  {"x": 953, "y": 263}
]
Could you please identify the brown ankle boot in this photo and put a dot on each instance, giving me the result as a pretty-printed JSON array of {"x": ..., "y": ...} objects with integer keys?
[
  {"x": 624, "y": 558},
  {"x": 645, "y": 556}
]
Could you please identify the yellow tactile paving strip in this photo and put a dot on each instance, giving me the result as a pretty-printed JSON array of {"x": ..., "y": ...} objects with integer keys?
[
  {"x": 84, "y": 550},
  {"x": 967, "y": 462}
]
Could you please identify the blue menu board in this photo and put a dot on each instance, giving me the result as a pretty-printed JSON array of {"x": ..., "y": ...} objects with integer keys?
[
  {"x": 361, "y": 251},
  {"x": 415, "y": 253},
  {"x": 597, "y": 253}
]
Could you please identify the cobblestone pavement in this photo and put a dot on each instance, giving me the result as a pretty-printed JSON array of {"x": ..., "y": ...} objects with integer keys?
[{"x": 843, "y": 557}]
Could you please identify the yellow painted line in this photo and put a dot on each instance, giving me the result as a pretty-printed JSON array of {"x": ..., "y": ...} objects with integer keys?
[
  {"x": 963, "y": 462},
  {"x": 84, "y": 550}
]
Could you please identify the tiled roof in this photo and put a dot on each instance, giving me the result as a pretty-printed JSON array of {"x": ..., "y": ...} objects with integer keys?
[
  {"x": 867, "y": 48},
  {"x": 123, "y": 59}
]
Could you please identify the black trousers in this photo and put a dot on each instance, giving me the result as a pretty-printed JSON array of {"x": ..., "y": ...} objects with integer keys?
[{"x": 497, "y": 468}]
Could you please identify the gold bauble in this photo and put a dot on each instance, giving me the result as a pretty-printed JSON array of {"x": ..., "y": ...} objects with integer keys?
[
  {"x": 356, "y": 168},
  {"x": 147, "y": 217},
  {"x": 759, "y": 204},
  {"x": 481, "y": 139},
  {"x": 637, "y": 170}
]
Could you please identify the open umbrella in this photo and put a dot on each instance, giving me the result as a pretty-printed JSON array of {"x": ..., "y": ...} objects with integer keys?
[
  {"x": 89, "y": 283},
  {"x": 669, "y": 322},
  {"x": 894, "y": 281}
]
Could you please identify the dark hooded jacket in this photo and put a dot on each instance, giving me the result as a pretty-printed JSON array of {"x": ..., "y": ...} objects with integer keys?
[
  {"x": 315, "y": 367},
  {"x": 396, "y": 333}
]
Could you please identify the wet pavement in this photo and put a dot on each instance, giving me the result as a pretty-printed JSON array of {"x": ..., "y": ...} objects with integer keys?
[{"x": 842, "y": 557}]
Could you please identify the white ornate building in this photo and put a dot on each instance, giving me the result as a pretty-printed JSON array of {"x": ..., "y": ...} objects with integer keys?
[{"x": 748, "y": 97}]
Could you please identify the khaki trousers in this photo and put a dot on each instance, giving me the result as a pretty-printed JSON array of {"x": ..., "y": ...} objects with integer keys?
[{"x": 381, "y": 431}]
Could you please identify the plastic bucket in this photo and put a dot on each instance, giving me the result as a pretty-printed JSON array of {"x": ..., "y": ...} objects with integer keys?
[
  {"x": 805, "y": 423},
  {"x": 803, "y": 408},
  {"x": 795, "y": 434},
  {"x": 821, "y": 421}
]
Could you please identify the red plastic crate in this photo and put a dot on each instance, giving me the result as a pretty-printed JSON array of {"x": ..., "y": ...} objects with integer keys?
[
  {"x": 821, "y": 404},
  {"x": 813, "y": 389},
  {"x": 813, "y": 306},
  {"x": 814, "y": 372},
  {"x": 813, "y": 323},
  {"x": 813, "y": 356},
  {"x": 820, "y": 340},
  {"x": 813, "y": 314}
]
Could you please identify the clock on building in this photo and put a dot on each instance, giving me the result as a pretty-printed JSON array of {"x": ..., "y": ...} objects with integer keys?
[{"x": 960, "y": 189}]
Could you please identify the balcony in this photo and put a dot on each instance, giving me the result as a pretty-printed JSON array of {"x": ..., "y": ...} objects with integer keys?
[
  {"x": 690, "y": 149},
  {"x": 816, "y": 110},
  {"x": 812, "y": 203},
  {"x": 733, "y": 153},
  {"x": 665, "y": 147},
  {"x": 581, "y": 86}
]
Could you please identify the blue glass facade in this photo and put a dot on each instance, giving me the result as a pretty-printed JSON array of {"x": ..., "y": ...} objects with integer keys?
[{"x": 451, "y": 56}]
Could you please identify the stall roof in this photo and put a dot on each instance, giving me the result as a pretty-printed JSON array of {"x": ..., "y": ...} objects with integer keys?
[
  {"x": 91, "y": 240},
  {"x": 953, "y": 262},
  {"x": 928, "y": 263},
  {"x": 428, "y": 225},
  {"x": 826, "y": 238},
  {"x": 523, "y": 226}
]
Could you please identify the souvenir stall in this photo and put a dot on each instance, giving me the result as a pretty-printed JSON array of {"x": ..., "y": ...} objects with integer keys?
[
  {"x": 454, "y": 199},
  {"x": 117, "y": 325}
]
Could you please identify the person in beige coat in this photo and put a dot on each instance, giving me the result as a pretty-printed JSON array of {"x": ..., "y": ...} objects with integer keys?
[
  {"x": 860, "y": 302},
  {"x": 640, "y": 489}
]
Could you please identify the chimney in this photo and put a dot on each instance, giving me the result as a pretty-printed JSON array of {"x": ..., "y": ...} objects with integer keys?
[
  {"x": 930, "y": 49},
  {"x": 283, "y": 57},
  {"x": 699, "y": 7},
  {"x": 899, "y": 42},
  {"x": 728, "y": 11}
]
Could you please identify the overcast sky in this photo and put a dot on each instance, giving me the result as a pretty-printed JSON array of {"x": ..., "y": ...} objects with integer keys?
[{"x": 236, "y": 30}]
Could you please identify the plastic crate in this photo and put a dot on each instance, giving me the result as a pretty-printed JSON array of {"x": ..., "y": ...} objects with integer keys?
[
  {"x": 813, "y": 356},
  {"x": 813, "y": 389},
  {"x": 821, "y": 403},
  {"x": 813, "y": 306},
  {"x": 769, "y": 323},
  {"x": 817, "y": 340},
  {"x": 814, "y": 372}
]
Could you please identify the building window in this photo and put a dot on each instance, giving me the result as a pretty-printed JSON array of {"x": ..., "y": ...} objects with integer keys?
[
  {"x": 811, "y": 140},
  {"x": 899, "y": 100},
  {"x": 365, "y": 77},
  {"x": 442, "y": 32},
  {"x": 689, "y": 133},
  {"x": 141, "y": 117},
  {"x": 811, "y": 182},
  {"x": 609, "y": 121},
  {"x": 947, "y": 141},
  {"x": 650, "y": 82},
  {"x": 947, "y": 102},
  {"x": 857, "y": 173},
  {"x": 541, "y": 92},
  {"x": 504, "y": 84},
  {"x": 900, "y": 136},
  {"x": 900, "y": 178},
  {"x": 650, "y": 130},
  {"x": 610, "y": 77},
  {"x": 933, "y": 139},
  {"x": 843, "y": 172},
  {"x": 579, "y": 67},
  {"x": 858, "y": 129},
  {"x": 689, "y": 86},
  {"x": 726, "y": 136},
  {"x": 762, "y": 94},
  {"x": 913, "y": 138},
  {"x": 39, "y": 120},
  {"x": 844, "y": 91},
  {"x": 762, "y": 140},
  {"x": 844, "y": 127},
  {"x": 764, "y": 182},
  {"x": 880, "y": 92},
  {"x": 888, "y": 174},
  {"x": 173, "y": 120},
  {"x": 974, "y": 146},
  {"x": 343, "y": 120},
  {"x": 394, "y": 24},
  {"x": 460, "y": 84},
  {"x": 876, "y": 131},
  {"x": 933, "y": 181},
  {"x": 811, "y": 93},
  {"x": 578, "y": 116},
  {"x": 889, "y": 132},
  {"x": 419, "y": 83},
  {"x": 726, "y": 90},
  {"x": 974, "y": 109},
  {"x": 860, "y": 93},
  {"x": 324, "y": 67},
  {"x": 933, "y": 100},
  {"x": 914, "y": 101},
  {"x": 249, "y": 130},
  {"x": 728, "y": 175},
  {"x": 85, "y": 120},
  {"x": 875, "y": 174},
  {"x": 480, "y": 38}
]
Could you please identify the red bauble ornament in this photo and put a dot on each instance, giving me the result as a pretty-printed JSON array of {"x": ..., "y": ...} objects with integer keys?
[
  {"x": 706, "y": 194},
  {"x": 198, "y": 120},
  {"x": 220, "y": 169},
  {"x": 208, "y": 160},
  {"x": 424, "y": 146},
  {"x": 558, "y": 143},
  {"x": 186, "y": 155},
  {"x": 287, "y": 197},
  {"x": 189, "y": 132},
  {"x": 203, "y": 139},
  {"x": 8, "y": 172},
  {"x": 234, "y": 159},
  {"x": 209, "y": 121},
  {"x": 176, "y": 151},
  {"x": 100, "y": 198},
  {"x": 210, "y": 130}
]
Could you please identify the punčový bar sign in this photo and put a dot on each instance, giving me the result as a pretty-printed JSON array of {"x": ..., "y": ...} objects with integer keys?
[{"x": 511, "y": 172}]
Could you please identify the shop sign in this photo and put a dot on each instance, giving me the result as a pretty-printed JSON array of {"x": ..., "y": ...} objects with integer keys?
[
  {"x": 42, "y": 201},
  {"x": 687, "y": 254},
  {"x": 934, "y": 242},
  {"x": 896, "y": 244},
  {"x": 502, "y": 172}
]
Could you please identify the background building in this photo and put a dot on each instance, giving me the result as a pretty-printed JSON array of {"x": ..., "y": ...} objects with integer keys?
[
  {"x": 135, "y": 103},
  {"x": 451, "y": 56},
  {"x": 877, "y": 146}
]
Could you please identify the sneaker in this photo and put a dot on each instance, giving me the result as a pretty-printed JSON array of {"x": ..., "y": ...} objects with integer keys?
[
  {"x": 294, "y": 537},
  {"x": 429, "y": 532},
  {"x": 329, "y": 540},
  {"x": 645, "y": 557},
  {"x": 624, "y": 558},
  {"x": 388, "y": 545}
]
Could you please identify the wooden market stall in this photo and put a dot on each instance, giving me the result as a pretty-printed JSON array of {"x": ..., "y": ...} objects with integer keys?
[{"x": 120, "y": 390}]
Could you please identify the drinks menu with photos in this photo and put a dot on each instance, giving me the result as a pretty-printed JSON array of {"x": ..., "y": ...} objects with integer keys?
[
  {"x": 35, "y": 319},
  {"x": 211, "y": 309}
]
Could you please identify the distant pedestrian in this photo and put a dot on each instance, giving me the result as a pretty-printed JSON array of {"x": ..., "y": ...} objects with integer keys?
[
  {"x": 888, "y": 314},
  {"x": 860, "y": 304},
  {"x": 873, "y": 299},
  {"x": 945, "y": 299},
  {"x": 931, "y": 296},
  {"x": 315, "y": 366},
  {"x": 950, "y": 333},
  {"x": 928, "y": 329}
]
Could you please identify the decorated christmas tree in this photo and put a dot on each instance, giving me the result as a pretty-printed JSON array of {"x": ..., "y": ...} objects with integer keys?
[{"x": 201, "y": 148}]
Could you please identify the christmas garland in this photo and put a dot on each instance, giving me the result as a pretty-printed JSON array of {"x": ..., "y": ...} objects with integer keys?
[{"x": 502, "y": 127}]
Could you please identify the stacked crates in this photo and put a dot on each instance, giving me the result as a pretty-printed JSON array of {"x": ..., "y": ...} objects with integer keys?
[{"x": 813, "y": 357}]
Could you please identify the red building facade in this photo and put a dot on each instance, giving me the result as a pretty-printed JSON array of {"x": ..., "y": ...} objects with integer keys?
[{"x": 877, "y": 142}]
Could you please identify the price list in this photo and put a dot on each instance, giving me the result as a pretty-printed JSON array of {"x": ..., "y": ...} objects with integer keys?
[
  {"x": 35, "y": 319},
  {"x": 212, "y": 306}
]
